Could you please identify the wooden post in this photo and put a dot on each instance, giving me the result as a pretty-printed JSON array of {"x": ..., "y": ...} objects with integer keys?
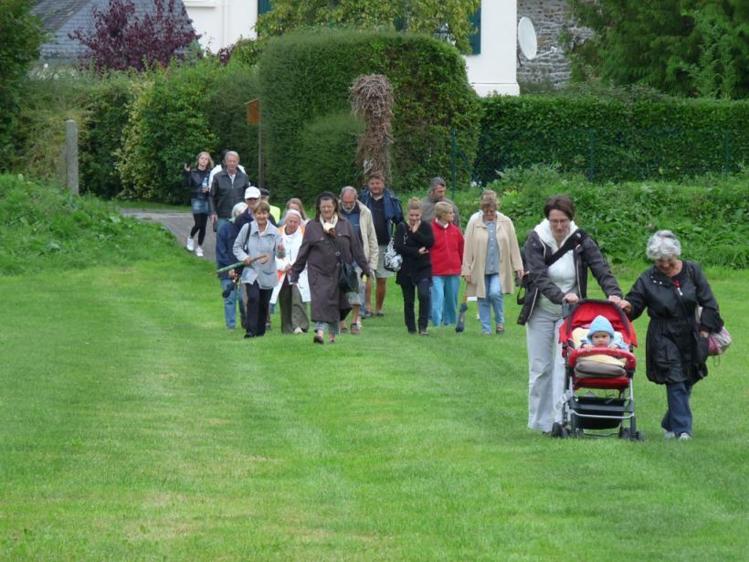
[
  {"x": 71, "y": 156},
  {"x": 253, "y": 118}
]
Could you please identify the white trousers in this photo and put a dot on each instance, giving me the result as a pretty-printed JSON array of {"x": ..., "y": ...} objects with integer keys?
[{"x": 545, "y": 369}]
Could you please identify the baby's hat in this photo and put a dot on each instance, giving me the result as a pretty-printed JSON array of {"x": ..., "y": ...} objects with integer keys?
[{"x": 601, "y": 324}]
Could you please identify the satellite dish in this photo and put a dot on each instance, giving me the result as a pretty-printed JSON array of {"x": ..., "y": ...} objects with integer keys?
[{"x": 527, "y": 38}]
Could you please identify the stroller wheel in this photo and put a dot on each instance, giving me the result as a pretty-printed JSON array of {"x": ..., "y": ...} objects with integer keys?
[{"x": 624, "y": 433}]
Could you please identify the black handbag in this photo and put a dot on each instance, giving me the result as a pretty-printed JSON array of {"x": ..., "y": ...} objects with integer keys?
[{"x": 348, "y": 279}]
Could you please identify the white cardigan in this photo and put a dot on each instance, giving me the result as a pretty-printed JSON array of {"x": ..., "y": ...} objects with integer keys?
[{"x": 292, "y": 243}]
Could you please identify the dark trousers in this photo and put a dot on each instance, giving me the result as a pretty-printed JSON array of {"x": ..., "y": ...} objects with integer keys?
[
  {"x": 257, "y": 300},
  {"x": 423, "y": 289},
  {"x": 199, "y": 227},
  {"x": 293, "y": 313},
  {"x": 678, "y": 417}
]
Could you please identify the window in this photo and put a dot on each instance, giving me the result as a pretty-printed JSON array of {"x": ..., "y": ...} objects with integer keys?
[{"x": 263, "y": 6}]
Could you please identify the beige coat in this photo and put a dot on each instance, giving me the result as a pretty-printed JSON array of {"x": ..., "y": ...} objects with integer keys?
[
  {"x": 368, "y": 236},
  {"x": 474, "y": 255}
]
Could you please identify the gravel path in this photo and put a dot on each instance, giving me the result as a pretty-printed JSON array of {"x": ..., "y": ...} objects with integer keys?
[{"x": 179, "y": 224}]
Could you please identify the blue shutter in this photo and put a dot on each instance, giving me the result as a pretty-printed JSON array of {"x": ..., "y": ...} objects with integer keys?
[
  {"x": 475, "y": 38},
  {"x": 263, "y": 6}
]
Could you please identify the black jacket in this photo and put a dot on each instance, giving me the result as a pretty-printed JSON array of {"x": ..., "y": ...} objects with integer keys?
[
  {"x": 587, "y": 256},
  {"x": 225, "y": 193},
  {"x": 415, "y": 266},
  {"x": 674, "y": 351},
  {"x": 194, "y": 180}
]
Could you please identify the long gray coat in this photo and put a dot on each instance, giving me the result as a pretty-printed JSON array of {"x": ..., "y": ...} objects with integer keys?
[{"x": 318, "y": 254}]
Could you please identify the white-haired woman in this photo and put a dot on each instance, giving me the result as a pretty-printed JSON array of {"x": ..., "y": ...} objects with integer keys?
[
  {"x": 292, "y": 298},
  {"x": 676, "y": 345}
]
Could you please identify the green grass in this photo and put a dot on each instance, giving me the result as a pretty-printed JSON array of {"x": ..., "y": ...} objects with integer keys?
[{"x": 134, "y": 426}]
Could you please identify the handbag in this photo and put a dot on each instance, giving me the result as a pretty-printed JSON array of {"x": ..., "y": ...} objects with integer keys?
[
  {"x": 348, "y": 279},
  {"x": 392, "y": 259},
  {"x": 718, "y": 342}
]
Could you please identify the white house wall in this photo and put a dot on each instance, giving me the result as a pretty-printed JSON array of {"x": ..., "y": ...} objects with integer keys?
[{"x": 222, "y": 22}]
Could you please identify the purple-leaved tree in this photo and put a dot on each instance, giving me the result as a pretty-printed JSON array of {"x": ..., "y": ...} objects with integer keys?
[{"x": 121, "y": 39}]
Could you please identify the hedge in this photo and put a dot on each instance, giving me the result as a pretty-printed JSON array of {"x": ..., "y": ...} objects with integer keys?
[
  {"x": 709, "y": 213},
  {"x": 613, "y": 139},
  {"x": 306, "y": 76}
]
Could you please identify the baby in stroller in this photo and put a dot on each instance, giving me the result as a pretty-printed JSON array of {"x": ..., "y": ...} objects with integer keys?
[{"x": 601, "y": 334}]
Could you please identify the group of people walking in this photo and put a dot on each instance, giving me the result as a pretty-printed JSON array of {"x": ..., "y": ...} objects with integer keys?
[{"x": 292, "y": 260}]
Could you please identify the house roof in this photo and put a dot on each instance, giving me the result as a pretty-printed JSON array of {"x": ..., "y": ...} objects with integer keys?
[{"x": 62, "y": 17}]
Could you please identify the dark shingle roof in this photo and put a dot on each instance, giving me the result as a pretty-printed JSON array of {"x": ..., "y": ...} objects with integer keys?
[{"x": 62, "y": 17}]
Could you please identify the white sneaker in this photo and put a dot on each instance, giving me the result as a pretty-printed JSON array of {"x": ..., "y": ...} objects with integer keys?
[
  {"x": 199, "y": 251},
  {"x": 190, "y": 245},
  {"x": 684, "y": 437},
  {"x": 298, "y": 330}
]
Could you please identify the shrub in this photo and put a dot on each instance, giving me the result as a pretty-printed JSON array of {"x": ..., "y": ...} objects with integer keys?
[
  {"x": 306, "y": 76},
  {"x": 328, "y": 155},
  {"x": 101, "y": 138},
  {"x": 613, "y": 139},
  {"x": 710, "y": 214},
  {"x": 21, "y": 35},
  {"x": 39, "y": 139},
  {"x": 231, "y": 88},
  {"x": 122, "y": 40},
  {"x": 167, "y": 127},
  {"x": 45, "y": 228}
]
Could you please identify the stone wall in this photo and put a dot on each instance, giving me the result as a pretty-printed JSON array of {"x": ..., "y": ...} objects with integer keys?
[{"x": 550, "y": 18}]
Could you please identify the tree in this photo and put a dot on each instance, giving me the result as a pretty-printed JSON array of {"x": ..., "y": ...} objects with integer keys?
[
  {"x": 121, "y": 40},
  {"x": 449, "y": 19},
  {"x": 22, "y": 35},
  {"x": 681, "y": 47}
]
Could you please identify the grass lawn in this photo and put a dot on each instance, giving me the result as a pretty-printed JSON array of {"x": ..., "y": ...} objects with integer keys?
[{"x": 133, "y": 426}]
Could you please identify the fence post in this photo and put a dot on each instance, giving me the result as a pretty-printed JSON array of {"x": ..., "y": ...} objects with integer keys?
[{"x": 71, "y": 156}]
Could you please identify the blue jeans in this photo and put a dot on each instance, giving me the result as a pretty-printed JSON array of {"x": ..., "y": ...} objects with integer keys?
[
  {"x": 230, "y": 304},
  {"x": 494, "y": 299},
  {"x": 678, "y": 417},
  {"x": 445, "y": 299}
]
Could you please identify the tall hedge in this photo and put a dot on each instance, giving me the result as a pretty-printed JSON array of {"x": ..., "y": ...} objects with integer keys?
[
  {"x": 304, "y": 77},
  {"x": 611, "y": 138}
]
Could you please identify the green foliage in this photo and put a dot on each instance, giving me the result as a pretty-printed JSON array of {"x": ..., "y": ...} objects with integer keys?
[
  {"x": 682, "y": 47},
  {"x": 231, "y": 88},
  {"x": 304, "y": 77},
  {"x": 101, "y": 138},
  {"x": 44, "y": 228},
  {"x": 448, "y": 18},
  {"x": 710, "y": 214},
  {"x": 613, "y": 138},
  {"x": 21, "y": 35},
  {"x": 328, "y": 154},
  {"x": 166, "y": 128},
  {"x": 39, "y": 139}
]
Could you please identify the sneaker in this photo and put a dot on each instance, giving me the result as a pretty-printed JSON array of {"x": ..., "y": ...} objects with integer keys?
[
  {"x": 199, "y": 251},
  {"x": 190, "y": 245},
  {"x": 500, "y": 329},
  {"x": 298, "y": 330},
  {"x": 684, "y": 437},
  {"x": 355, "y": 329},
  {"x": 423, "y": 333},
  {"x": 668, "y": 434}
]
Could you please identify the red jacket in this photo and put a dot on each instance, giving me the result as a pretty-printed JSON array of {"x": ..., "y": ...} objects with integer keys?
[{"x": 447, "y": 252}]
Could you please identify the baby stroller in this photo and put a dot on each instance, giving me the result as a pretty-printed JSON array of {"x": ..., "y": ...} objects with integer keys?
[{"x": 598, "y": 394}]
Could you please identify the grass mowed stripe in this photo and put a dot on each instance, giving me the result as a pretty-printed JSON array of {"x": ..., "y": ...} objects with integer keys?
[{"x": 134, "y": 426}]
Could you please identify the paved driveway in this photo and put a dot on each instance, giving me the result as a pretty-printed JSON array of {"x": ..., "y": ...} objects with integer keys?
[{"x": 179, "y": 224}]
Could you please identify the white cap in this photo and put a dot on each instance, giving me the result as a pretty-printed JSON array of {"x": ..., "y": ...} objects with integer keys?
[{"x": 252, "y": 192}]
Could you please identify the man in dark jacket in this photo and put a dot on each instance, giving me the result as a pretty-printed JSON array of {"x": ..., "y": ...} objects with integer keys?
[
  {"x": 225, "y": 238},
  {"x": 227, "y": 189},
  {"x": 386, "y": 215}
]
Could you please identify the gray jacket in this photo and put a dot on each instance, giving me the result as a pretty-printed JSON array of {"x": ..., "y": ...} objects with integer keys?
[{"x": 251, "y": 243}]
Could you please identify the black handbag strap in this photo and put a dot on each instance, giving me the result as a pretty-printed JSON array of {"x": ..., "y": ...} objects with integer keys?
[{"x": 572, "y": 242}]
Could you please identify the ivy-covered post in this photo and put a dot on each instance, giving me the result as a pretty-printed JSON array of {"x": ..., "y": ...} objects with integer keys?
[{"x": 71, "y": 156}]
